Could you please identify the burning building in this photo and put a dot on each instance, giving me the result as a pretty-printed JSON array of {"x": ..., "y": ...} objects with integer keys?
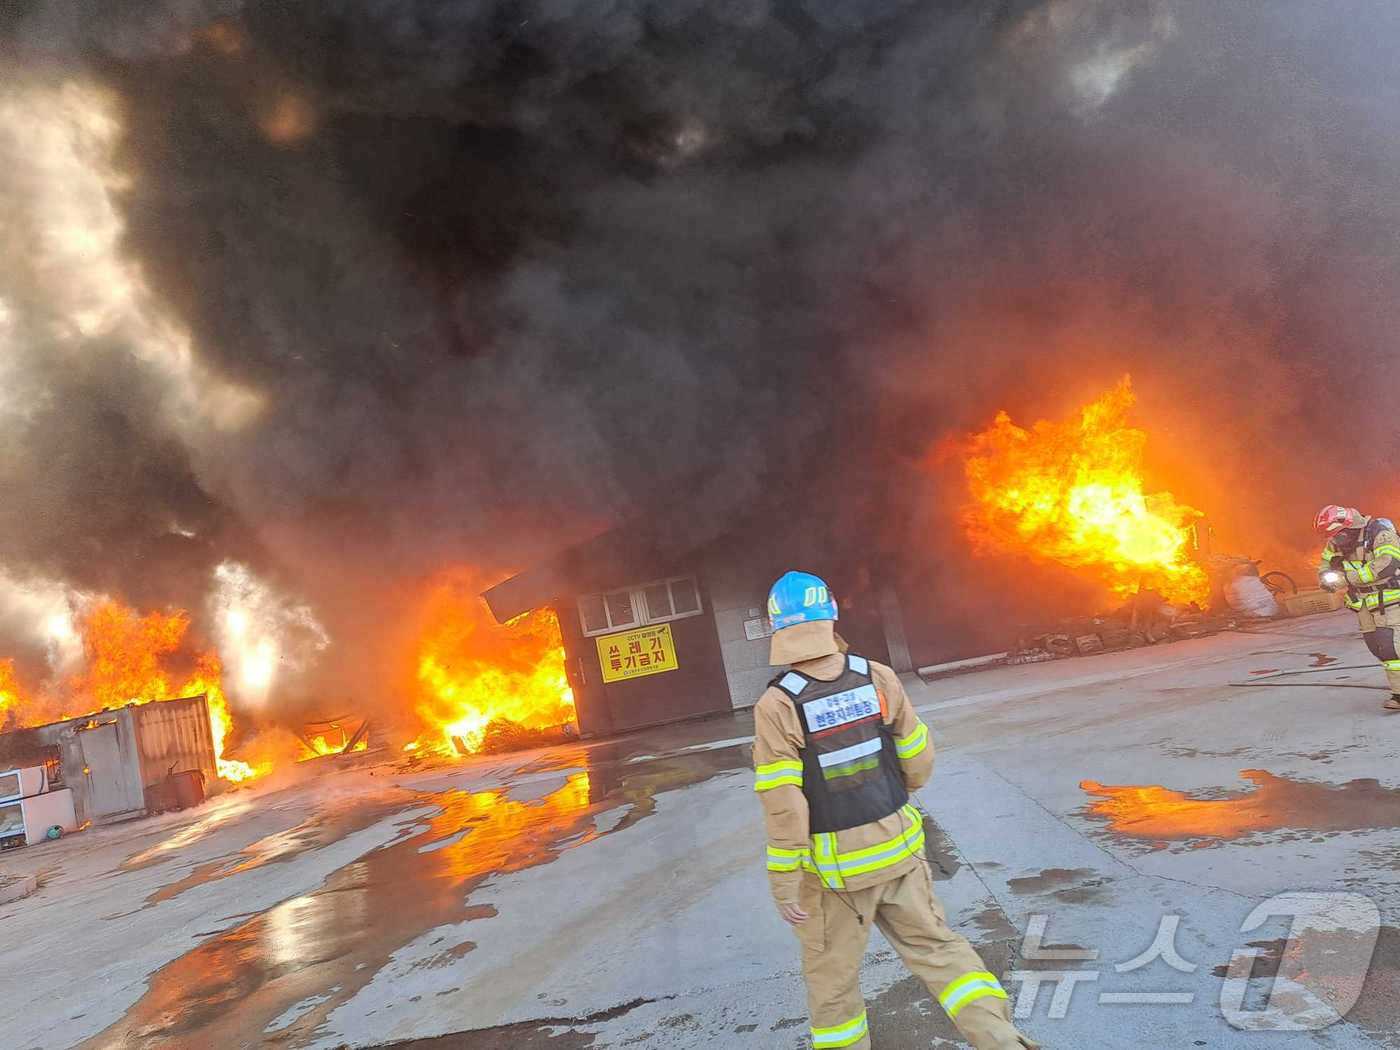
[
  {"x": 479, "y": 685},
  {"x": 665, "y": 618},
  {"x": 113, "y": 765},
  {"x": 353, "y": 296}
]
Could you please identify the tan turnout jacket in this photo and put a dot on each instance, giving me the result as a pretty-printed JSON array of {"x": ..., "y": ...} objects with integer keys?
[
  {"x": 778, "y": 736},
  {"x": 1368, "y": 568}
]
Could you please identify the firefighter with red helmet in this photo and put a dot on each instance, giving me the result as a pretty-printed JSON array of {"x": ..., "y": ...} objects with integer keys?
[
  {"x": 1362, "y": 558},
  {"x": 837, "y": 750}
]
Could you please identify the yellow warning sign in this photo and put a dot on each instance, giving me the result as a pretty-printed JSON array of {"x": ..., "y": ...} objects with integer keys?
[{"x": 634, "y": 654}]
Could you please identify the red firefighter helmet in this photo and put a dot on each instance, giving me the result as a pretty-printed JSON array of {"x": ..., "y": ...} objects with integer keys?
[{"x": 1333, "y": 519}]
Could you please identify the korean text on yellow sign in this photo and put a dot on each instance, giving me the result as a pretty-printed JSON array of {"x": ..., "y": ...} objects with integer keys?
[{"x": 635, "y": 654}]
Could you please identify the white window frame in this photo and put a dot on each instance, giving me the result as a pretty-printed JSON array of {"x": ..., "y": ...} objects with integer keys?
[{"x": 636, "y": 594}]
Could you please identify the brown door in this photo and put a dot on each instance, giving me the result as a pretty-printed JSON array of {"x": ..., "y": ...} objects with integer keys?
[{"x": 581, "y": 664}]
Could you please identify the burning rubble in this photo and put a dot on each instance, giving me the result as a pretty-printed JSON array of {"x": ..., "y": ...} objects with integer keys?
[
  {"x": 103, "y": 653},
  {"x": 479, "y": 685},
  {"x": 474, "y": 685},
  {"x": 334, "y": 736},
  {"x": 132, "y": 658},
  {"x": 1073, "y": 492}
]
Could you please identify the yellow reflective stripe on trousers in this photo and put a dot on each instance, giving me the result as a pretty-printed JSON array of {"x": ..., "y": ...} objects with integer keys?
[
  {"x": 913, "y": 744},
  {"x": 776, "y": 774},
  {"x": 1391, "y": 665},
  {"x": 968, "y": 989},
  {"x": 841, "y": 1034},
  {"x": 835, "y": 868},
  {"x": 780, "y": 859}
]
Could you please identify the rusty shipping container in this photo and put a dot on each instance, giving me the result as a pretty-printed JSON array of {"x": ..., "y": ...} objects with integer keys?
[
  {"x": 174, "y": 737},
  {"x": 117, "y": 761}
]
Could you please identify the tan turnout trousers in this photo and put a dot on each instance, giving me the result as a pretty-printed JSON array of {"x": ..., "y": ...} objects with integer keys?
[
  {"x": 1379, "y": 631},
  {"x": 908, "y": 913}
]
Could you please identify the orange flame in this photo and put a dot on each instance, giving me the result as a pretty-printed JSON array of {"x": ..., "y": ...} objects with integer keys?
[
  {"x": 208, "y": 679},
  {"x": 12, "y": 694},
  {"x": 320, "y": 746},
  {"x": 474, "y": 675},
  {"x": 126, "y": 653},
  {"x": 126, "y": 663},
  {"x": 1072, "y": 492}
]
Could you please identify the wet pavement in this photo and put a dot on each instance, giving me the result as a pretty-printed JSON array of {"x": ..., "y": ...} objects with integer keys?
[
  {"x": 1160, "y": 816},
  {"x": 611, "y": 894}
]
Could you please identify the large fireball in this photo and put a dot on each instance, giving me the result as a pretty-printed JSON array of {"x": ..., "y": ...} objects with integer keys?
[{"x": 1073, "y": 492}]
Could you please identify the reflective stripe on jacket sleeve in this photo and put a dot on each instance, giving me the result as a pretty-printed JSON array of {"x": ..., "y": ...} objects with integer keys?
[
  {"x": 780, "y": 859},
  {"x": 913, "y": 744},
  {"x": 776, "y": 774}
]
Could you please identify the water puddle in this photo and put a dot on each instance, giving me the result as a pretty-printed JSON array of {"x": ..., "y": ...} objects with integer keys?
[
  {"x": 1070, "y": 885},
  {"x": 1161, "y": 815},
  {"x": 320, "y": 949},
  {"x": 323, "y": 830}
]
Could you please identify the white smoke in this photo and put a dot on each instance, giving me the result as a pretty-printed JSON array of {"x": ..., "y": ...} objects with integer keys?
[
  {"x": 262, "y": 635},
  {"x": 43, "y": 613}
]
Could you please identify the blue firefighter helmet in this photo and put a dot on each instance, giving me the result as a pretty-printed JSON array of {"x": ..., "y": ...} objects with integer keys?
[{"x": 800, "y": 597}]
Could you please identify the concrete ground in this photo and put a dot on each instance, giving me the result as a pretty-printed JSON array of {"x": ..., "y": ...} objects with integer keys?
[{"x": 612, "y": 895}]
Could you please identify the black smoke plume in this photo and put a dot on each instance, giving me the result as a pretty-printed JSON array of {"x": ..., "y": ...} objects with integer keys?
[{"x": 503, "y": 273}]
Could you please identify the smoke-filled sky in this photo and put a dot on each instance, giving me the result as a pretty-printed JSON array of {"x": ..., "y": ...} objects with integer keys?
[{"x": 348, "y": 291}]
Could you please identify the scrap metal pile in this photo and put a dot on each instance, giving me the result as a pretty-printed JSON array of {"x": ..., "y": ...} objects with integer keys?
[{"x": 1239, "y": 595}]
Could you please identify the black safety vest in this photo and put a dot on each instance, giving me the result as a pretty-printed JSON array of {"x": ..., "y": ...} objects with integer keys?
[{"x": 850, "y": 770}]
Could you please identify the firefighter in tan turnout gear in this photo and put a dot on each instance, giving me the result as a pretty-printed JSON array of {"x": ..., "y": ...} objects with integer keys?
[
  {"x": 837, "y": 749},
  {"x": 1362, "y": 558}
]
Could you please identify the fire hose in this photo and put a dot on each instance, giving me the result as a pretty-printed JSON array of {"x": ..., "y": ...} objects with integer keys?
[{"x": 1267, "y": 680}]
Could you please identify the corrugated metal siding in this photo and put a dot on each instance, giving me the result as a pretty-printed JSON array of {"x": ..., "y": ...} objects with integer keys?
[{"x": 174, "y": 736}]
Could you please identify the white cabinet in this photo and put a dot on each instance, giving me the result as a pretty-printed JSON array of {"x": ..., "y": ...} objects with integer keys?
[
  {"x": 29, "y": 808},
  {"x": 42, "y": 812}
]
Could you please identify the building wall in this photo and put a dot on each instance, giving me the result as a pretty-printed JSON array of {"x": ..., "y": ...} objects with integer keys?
[
  {"x": 694, "y": 687},
  {"x": 737, "y": 595}
]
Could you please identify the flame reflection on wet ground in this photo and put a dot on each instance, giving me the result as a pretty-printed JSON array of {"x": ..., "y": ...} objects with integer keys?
[
  {"x": 327, "y": 945},
  {"x": 1162, "y": 815}
]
